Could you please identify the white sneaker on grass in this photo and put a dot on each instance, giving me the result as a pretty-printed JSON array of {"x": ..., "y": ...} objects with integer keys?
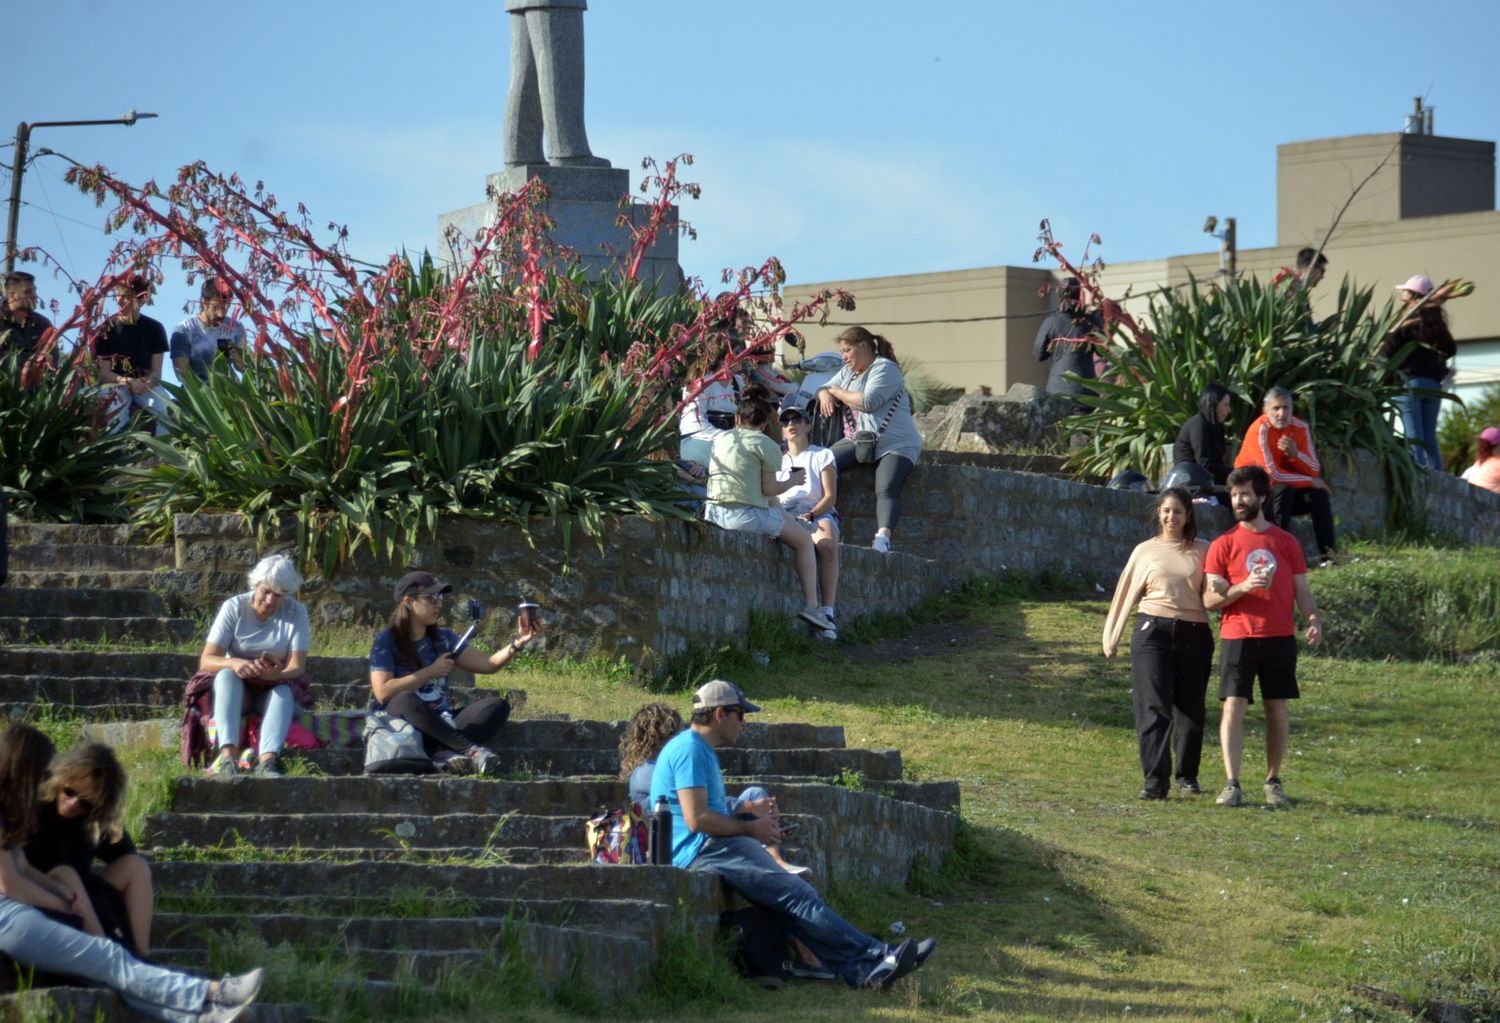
[
  {"x": 239, "y": 989},
  {"x": 815, "y": 617}
]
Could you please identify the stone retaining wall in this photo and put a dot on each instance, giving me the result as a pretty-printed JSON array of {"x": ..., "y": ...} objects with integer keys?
[
  {"x": 654, "y": 589},
  {"x": 979, "y": 521}
]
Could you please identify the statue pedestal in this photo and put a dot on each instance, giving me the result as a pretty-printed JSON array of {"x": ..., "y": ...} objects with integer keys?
[{"x": 585, "y": 203}]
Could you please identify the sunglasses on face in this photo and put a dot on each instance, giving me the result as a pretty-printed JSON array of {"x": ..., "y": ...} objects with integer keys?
[{"x": 72, "y": 793}]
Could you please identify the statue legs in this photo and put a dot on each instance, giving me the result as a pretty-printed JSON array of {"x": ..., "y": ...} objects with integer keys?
[
  {"x": 523, "y": 104},
  {"x": 546, "y": 90}
]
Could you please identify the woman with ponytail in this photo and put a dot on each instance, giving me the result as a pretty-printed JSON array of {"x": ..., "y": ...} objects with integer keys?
[{"x": 870, "y": 394}]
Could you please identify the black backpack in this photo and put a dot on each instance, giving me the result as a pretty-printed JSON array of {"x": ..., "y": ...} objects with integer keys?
[{"x": 758, "y": 940}]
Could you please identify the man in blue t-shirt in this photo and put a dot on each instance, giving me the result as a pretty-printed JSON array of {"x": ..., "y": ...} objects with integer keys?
[{"x": 706, "y": 837}]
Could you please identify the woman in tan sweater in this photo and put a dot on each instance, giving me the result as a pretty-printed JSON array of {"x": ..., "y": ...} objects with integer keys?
[{"x": 1171, "y": 646}]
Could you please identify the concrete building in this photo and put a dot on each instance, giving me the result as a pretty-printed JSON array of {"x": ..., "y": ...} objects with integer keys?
[{"x": 1429, "y": 209}]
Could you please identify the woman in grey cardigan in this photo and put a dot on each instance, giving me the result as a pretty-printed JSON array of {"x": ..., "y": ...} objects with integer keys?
[{"x": 872, "y": 395}]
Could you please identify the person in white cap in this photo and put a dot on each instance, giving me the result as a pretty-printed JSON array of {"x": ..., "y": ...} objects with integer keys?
[
  {"x": 1425, "y": 346},
  {"x": 706, "y": 837}
]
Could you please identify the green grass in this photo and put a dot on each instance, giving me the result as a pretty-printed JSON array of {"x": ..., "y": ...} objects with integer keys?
[
  {"x": 1073, "y": 900},
  {"x": 1373, "y": 898}
]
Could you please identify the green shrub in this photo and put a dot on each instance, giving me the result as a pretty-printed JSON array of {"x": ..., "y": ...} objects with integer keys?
[
  {"x": 1413, "y": 603},
  {"x": 57, "y": 463},
  {"x": 499, "y": 433},
  {"x": 1249, "y": 337}
]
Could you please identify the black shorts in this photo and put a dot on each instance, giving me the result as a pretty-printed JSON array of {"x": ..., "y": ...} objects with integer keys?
[{"x": 1274, "y": 659}]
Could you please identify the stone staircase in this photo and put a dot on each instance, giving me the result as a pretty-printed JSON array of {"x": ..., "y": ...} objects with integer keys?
[{"x": 423, "y": 879}]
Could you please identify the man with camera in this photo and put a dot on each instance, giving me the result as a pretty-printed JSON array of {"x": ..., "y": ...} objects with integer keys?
[
  {"x": 201, "y": 337},
  {"x": 706, "y": 836}
]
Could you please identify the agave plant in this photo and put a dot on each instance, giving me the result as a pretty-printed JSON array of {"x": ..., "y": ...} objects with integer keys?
[
  {"x": 57, "y": 462},
  {"x": 498, "y": 435},
  {"x": 1249, "y": 337}
]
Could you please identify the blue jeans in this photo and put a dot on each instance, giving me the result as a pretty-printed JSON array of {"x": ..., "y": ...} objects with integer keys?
[
  {"x": 32, "y": 939},
  {"x": 746, "y": 867},
  {"x": 1419, "y": 416},
  {"x": 276, "y": 708}
]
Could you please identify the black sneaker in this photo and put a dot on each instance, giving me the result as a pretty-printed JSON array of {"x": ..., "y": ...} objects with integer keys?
[
  {"x": 1188, "y": 785},
  {"x": 807, "y": 971},
  {"x": 925, "y": 948},
  {"x": 1150, "y": 793},
  {"x": 883, "y": 974}
]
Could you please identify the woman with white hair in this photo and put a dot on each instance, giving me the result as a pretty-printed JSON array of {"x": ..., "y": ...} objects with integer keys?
[{"x": 257, "y": 648}]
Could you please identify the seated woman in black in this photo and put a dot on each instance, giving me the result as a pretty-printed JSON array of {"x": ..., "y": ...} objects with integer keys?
[
  {"x": 409, "y": 666},
  {"x": 1201, "y": 438},
  {"x": 78, "y": 823},
  {"x": 38, "y": 916}
]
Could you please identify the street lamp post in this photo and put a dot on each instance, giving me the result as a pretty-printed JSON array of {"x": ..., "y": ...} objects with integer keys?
[{"x": 23, "y": 141}]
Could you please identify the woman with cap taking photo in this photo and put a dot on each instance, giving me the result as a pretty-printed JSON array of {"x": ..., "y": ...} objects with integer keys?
[
  {"x": 1423, "y": 369},
  {"x": 257, "y": 653},
  {"x": 811, "y": 502},
  {"x": 409, "y": 666}
]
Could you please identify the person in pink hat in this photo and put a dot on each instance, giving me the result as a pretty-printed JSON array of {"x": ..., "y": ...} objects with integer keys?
[
  {"x": 1485, "y": 472},
  {"x": 1423, "y": 344}
]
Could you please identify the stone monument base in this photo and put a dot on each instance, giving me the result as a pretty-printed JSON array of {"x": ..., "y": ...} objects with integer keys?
[{"x": 585, "y": 204}]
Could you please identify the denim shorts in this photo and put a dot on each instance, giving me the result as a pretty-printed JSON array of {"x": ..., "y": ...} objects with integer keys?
[{"x": 745, "y": 518}]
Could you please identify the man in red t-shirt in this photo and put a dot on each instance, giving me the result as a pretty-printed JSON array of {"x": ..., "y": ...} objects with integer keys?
[
  {"x": 1282, "y": 444},
  {"x": 1256, "y": 572}
]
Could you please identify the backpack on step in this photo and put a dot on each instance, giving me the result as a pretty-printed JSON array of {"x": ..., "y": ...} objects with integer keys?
[
  {"x": 394, "y": 746},
  {"x": 759, "y": 943}
]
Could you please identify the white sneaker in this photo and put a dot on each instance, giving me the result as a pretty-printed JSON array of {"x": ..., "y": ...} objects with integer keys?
[
  {"x": 453, "y": 763},
  {"x": 831, "y": 635},
  {"x": 882, "y": 543},
  {"x": 241, "y": 989},
  {"x": 485, "y": 761},
  {"x": 815, "y": 617}
]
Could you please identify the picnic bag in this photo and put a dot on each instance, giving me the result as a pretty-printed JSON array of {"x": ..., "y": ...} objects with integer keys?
[{"x": 616, "y": 837}]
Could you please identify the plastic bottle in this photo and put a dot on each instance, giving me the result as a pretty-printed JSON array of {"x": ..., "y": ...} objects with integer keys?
[{"x": 661, "y": 833}]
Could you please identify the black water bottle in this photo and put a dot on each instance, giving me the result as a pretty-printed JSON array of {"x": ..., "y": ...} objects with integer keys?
[{"x": 661, "y": 833}]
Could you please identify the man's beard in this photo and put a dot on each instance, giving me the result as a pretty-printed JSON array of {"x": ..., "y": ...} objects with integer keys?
[{"x": 1247, "y": 511}]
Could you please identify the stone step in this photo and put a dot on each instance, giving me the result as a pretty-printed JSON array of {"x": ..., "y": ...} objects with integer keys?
[
  {"x": 218, "y": 911},
  {"x": 77, "y": 628},
  {"x": 100, "y": 1005},
  {"x": 312, "y": 925},
  {"x": 542, "y": 760},
  {"x": 188, "y": 585},
  {"x": 28, "y": 533},
  {"x": 124, "y": 698},
  {"x": 471, "y": 855},
  {"x": 381, "y": 881},
  {"x": 53, "y": 600},
  {"x": 611, "y": 963},
  {"x": 846, "y": 835},
  {"x": 438, "y": 832},
  {"x": 309, "y": 831},
  {"x": 96, "y": 557},
  {"x": 113, "y": 664},
  {"x": 531, "y": 733},
  {"x": 389, "y": 794}
]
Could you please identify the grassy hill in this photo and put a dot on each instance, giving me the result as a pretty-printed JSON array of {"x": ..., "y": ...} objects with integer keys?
[{"x": 1374, "y": 897}]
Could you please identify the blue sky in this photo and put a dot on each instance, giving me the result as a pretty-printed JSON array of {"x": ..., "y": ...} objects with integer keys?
[{"x": 849, "y": 137}]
